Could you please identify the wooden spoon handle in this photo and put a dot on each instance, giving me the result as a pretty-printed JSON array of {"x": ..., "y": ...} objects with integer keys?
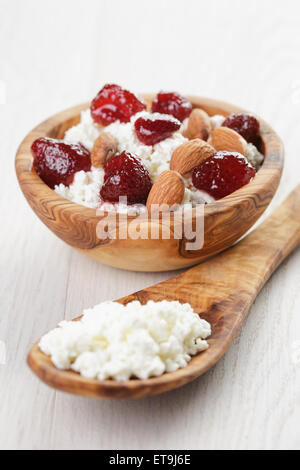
[
  {"x": 249, "y": 264},
  {"x": 222, "y": 290},
  {"x": 278, "y": 235}
]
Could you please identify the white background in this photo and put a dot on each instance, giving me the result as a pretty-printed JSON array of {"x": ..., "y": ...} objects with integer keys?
[{"x": 59, "y": 53}]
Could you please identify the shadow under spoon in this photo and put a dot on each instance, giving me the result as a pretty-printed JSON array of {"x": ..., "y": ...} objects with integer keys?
[{"x": 221, "y": 290}]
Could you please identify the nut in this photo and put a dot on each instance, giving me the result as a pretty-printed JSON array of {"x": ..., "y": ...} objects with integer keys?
[
  {"x": 199, "y": 125},
  {"x": 168, "y": 189},
  {"x": 104, "y": 147},
  {"x": 189, "y": 155},
  {"x": 227, "y": 139}
]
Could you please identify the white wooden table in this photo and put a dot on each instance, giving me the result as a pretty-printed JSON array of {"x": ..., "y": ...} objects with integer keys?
[{"x": 58, "y": 53}]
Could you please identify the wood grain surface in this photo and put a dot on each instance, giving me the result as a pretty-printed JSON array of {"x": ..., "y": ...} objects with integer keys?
[{"x": 240, "y": 52}]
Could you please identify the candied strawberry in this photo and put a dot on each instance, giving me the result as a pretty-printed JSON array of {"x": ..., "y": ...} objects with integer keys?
[
  {"x": 245, "y": 125},
  {"x": 125, "y": 176},
  {"x": 172, "y": 103},
  {"x": 223, "y": 174},
  {"x": 56, "y": 161},
  {"x": 113, "y": 103},
  {"x": 154, "y": 128}
]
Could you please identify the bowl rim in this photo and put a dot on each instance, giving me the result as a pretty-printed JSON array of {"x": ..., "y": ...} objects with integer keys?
[{"x": 27, "y": 177}]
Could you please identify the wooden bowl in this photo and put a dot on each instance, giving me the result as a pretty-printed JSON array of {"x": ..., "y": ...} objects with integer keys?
[{"x": 225, "y": 221}]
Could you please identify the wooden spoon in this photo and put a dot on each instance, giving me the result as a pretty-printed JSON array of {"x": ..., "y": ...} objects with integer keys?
[{"x": 220, "y": 290}]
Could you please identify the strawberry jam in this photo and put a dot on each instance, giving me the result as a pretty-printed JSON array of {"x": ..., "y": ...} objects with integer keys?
[
  {"x": 125, "y": 176},
  {"x": 223, "y": 174},
  {"x": 172, "y": 103},
  {"x": 245, "y": 125},
  {"x": 56, "y": 162},
  {"x": 152, "y": 130},
  {"x": 113, "y": 103}
]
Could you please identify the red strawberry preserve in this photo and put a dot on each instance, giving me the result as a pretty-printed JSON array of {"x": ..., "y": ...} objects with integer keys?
[
  {"x": 223, "y": 174},
  {"x": 245, "y": 125},
  {"x": 56, "y": 161},
  {"x": 113, "y": 103},
  {"x": 125, "y": 176},
  {"x": 172, "y": 103},
  {"x": 152, "y": 130}
]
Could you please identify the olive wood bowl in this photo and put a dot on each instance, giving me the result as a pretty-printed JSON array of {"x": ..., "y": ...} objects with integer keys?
[{"x": 225, "y": 221}]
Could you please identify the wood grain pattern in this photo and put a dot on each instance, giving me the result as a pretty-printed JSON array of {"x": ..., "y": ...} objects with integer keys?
[
  {"x": 220, "y": 290},
  {"x": 225, "y": 221}
]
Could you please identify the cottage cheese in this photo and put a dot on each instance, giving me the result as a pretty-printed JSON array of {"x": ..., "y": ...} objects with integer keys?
[
  {"x": 86, "y": 132},
  {"x": 254, "y": 156},
  {"x": 113, "y": 341},
  {"x": 217, "y": 121},
  {"x": 86, "y": 187},
  {"x": 156, "y": 158}
]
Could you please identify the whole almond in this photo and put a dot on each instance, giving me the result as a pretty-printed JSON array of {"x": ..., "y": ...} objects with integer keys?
[
  {"x": 104, "y": 147},
  {"x": 199, "y": 125},
  {"x": 189, "y": 155},
  {"x": 227, "y": 139},
  {"x": 168, "y": 189}
]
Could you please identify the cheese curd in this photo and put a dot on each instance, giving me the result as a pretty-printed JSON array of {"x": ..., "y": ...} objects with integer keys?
[
  {"x": 254, "y": 156},
  {"x": 112, "y": 341},
  {"x": 85, "y": 188},
  {"x": 86, "y": 132},
  {"x": 155, "y": 158}
]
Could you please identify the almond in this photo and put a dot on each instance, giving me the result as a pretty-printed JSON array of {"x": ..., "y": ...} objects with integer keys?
[
  {"x": 189, "y": 155},
  {"x": 167, "y": 189},
  {"x": 227, "y": 139},
  {"x": 199, "y": 125},
  {"x": 104, "y": 147}
]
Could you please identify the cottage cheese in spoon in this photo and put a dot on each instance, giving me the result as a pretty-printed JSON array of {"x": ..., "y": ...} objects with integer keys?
[{"x": 112, "y": 341}]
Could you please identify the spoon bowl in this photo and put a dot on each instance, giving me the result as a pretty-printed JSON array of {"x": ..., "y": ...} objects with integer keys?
[
  {"x": 221, "y": 290},
  {"x": 225, "y": 221}
]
